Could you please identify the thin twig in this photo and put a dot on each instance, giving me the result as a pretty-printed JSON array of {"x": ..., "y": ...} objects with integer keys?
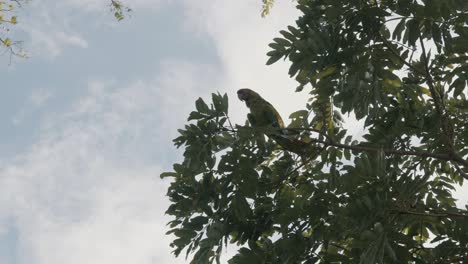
[
  {"x": 396, "y": 53},
  {"x": 403, "y": 45},
  {"x": 396, "y": 18}
]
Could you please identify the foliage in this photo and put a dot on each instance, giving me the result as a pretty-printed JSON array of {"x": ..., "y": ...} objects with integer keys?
[
  {"x": 401, "y": 66},
  {"x": 119, "y": 9},
  {"x": 266, "y": 7},
  {"x": 9, "y": 19}
]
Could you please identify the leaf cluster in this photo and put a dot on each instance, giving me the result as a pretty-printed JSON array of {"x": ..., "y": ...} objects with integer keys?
[
  {"x": 400, "y": 65},
  {"x": 9, "y": 19},
  {"x": 119, "y": 9}
]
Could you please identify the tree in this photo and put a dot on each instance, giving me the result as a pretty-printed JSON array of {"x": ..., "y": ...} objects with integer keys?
[
  {"x": 9, "y": 19},
  {"x": 399, "y": 65},
  {"x": 266, "y": 7}
]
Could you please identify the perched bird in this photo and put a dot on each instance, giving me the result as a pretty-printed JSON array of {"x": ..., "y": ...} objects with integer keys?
[{"x": 264, "y": 115}]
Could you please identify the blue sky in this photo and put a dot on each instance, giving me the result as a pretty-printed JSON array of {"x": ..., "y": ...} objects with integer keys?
[{"x": 88, "y": 119}]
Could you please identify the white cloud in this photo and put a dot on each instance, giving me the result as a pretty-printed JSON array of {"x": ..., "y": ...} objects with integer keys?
[
  {"x": 36, "y": 100},
  {"x": 50, "y": 43},
  {"x": 40, "y": 96},
  {"x": 89, "y": 190},
  {"x": 52, "y": 25},
  {"x": 48, "y": 32}
]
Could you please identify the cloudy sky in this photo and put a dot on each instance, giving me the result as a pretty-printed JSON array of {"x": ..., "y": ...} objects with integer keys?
[{"x": 87, "y": 120}]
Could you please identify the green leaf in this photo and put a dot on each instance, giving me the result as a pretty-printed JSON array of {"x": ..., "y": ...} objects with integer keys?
[
  {"x": 241, "y": 207},
  {"x": 201, "y": 106},
  {"x": 225, "y": 103},
  {"x": 301, "y": 114},
  {"x": 246, "y": 256},
  {"x": 198, "y": 222},
  {"x": 413, "y": 31},
  {"x": 288, "y": 35},
  {"x": 399, "y": 29},
  {"x": 325, "y": 72},
  {"x": 219, "y": 102},
  {"x": 119, "y": 16},
  {"x": 195, "y": 116},
  {"x": 202, "y": 256},
  {"x": 274, "y": 59},
  {"x": 6, "y": 42},
  {"x": 282, "y": 42},
  {"x": 436, "y": 34},
  {"x": 168, "y": 174},
  {"x": 458, "y": 85},
  {"x": 294, "y": 31}
]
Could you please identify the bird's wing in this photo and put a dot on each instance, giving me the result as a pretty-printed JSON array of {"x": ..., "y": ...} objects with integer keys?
[{"x": 271, "y": 116}]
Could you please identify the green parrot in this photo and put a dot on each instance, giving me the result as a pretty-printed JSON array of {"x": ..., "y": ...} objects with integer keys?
[{"x": 264, "y": 115}]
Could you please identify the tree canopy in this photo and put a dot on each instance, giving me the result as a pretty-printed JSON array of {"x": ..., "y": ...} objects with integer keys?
[{"x": 385, "y": 197}]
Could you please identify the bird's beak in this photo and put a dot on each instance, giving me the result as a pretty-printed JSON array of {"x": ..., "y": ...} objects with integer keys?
[{"x": 241, "y": 95}]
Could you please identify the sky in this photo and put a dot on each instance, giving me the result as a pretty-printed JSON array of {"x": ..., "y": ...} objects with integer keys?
[{"x": 88, "y": 118}]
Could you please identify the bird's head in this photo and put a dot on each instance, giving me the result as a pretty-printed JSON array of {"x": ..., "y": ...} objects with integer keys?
[{"x": 246, "y": 95}]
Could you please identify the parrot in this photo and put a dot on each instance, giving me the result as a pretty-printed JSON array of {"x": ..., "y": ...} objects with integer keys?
[{"x": 264, "y": 115}]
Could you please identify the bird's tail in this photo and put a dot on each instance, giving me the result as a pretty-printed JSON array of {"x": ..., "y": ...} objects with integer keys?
[{"x": 292, "y": 144}]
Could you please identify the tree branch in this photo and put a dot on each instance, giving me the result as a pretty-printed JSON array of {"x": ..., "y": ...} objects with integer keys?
[
  {"x": 447, "y": 128},
  {"x": 433, "y": 213},
  {"x": 430, "y": 82},
  {"x": 423, "y": 154}
]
